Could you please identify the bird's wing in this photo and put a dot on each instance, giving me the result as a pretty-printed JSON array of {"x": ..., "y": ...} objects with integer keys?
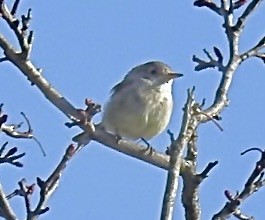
[{"x": 120, "y": 86}]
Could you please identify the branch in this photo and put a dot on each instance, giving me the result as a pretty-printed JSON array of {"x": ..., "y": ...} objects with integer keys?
[
  {"x": 212, "y": 63},
  {"x": 253, "y": 184},
  {"x": 250, "y": 9},
  {"x": 255, "y": 51},
  {"x": 190, "y": 191},
  {"x": 49, "y": 186},
  {"x": 221, "y": 98},
  {"x": 15, "y": 6},
  {"x": 11, "y": 129},
  {"x": 35, "y": 76},
  {"x": 25, "y": 41},
  {"x": 3, "y": 59},
  {"x": 5, "y": 209},
  {"x": 26, "y": 191},
  {"x": 192, "y": 180},
  {"x": 3, "y": 117},
  {"x": 233, "y": 34},
  {"x": 9, "y": 157},
  {"x": 239, "y": 4},
  {"x": 209, "y": 4},
  {"x": 176, "y": 151},
  {"x": 210, "y": 166},
  {"x": 261, "y": 56}
]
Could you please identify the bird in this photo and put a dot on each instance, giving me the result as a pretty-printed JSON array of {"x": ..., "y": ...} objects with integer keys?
[{"x": 140, "y": 106}]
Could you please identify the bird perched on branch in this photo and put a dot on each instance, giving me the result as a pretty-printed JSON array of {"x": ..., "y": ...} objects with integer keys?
[{"x": 140, "y": 106}]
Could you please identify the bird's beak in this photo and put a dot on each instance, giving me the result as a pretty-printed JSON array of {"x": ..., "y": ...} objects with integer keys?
[{"x": 174, "y": 75}]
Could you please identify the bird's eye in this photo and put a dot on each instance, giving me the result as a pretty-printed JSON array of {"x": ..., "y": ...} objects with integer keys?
[{"x": 153, "y": 72}]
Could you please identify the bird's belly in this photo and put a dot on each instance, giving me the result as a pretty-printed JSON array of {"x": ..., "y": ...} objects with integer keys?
[
  {"x": 138, "y": 115},
  {"x": 159, "y": 110}
]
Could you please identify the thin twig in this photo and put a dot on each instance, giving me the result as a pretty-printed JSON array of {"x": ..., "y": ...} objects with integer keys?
[
  {"x": 209, "y": 167},
  {"x": 13, "y": 24},
  {"x": 9, "y": 157},
  {"x": 250, "y": 9},
  {"x": 15, "y": 6},
  {"x": 254, "y": 51},
  {"x": 209, "y": 4},
  {"x": 11, "y": 130},
  {"x": 252, "y": 185},
  {"x": 48, "y": 187}
]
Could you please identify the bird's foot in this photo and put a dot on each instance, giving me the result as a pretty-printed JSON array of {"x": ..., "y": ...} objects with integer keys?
[
  {"x": 118, "y": 137},
  {"x": 149, "y": 149}
]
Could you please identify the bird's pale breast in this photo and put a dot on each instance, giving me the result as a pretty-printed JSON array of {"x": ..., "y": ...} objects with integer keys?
[{"x": 136, "y": 114}]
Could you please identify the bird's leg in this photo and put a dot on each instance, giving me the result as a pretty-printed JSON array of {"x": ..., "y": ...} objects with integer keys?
[
  {"x": 146, "y": 142},
  {"x": 149, "y": 148}
]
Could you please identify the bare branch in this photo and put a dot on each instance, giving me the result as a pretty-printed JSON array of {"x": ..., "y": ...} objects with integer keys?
[
  {"x": 176, "y": 151},
  {"x": 239, "y": 4},
  {"x": 9, "y": 157},
  {"x": 250, "y": 9},
  {"x": 251, "y": 186},
  {"x": 221, "y": 99},
  {"x": 132, "y": 149},
  {"x": 3, "y": 148},
  {"x": 197, "y": 109},
  {"x": 209, "y": 167},
  {"x": 192, "y": 180},
  {"x": 3, "y": 117},
  {"x": 171, "y": 135},
  {"x": 5, "y": 209},
  {"x": 218, "y": 54},
  {"x": 190, "y": 191},
  {"x": 48, "y": 187},
  {"x": 14, "y": 25},
  {"x": 255, "y": 51},
  {"x": 261, "y": 56},
  {"x": 15, "y": 6},
  {"x": 239, "y": 215},
  {"x": 252, "y": 149},
  {"x": 11, "y": 130},
  {"x": 212, "y": 63},
  {"x": 202, "y": 64},
  {"x": 3, "y": 59},
  {"x": 25, "y": 21},
  {"x": 209, "y": 4},
  {"x": 25, "y": 192}
]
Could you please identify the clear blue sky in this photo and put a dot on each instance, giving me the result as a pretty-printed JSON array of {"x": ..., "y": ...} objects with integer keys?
[{"x": 84, "y": 48}]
